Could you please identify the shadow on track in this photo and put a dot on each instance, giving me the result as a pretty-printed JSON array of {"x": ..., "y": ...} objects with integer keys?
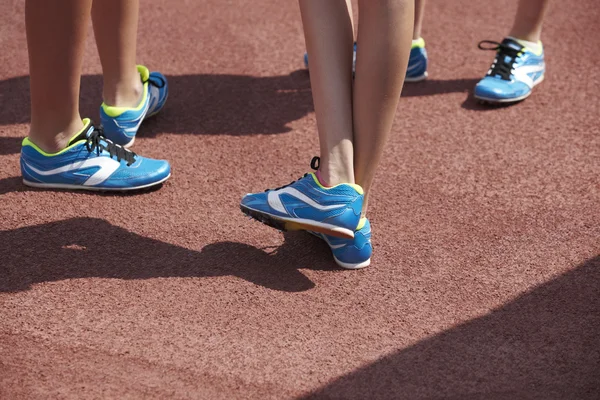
[
  {"x": 89, "y": 247},
  {"x": 216, "y": 104},
  {"x": 10, "y": 145},
  {"x": 197, "y": 104},
  {"x": 432, "y": 87},
  {"x": 13, "y": 184},
  {"x": 543, "y": 345}
]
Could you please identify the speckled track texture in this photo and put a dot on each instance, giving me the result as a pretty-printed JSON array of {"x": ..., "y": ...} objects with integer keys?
[{"x": 485, "y": 281}]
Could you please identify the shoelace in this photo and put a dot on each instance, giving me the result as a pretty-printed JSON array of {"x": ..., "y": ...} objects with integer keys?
[
  {"x": 500, "y": 66},
  {"x": 314, "y": 164},
  {"x": 98, "y": 142}
]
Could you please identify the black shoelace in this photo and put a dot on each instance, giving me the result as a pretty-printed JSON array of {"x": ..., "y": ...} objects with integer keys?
[
  {"x": 98, "y": 142},
  {"x": 504, "y": 61},
  {"x": 314, "y": 164}
]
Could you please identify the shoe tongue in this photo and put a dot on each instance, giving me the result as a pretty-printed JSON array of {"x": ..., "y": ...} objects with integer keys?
[
  {"x": 83, "y": 134},
  {"x": 512, "y": 44}
]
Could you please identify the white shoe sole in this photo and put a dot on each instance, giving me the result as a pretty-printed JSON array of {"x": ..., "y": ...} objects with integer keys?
[
  {"x": 353, "y": 266},
  {"x": 90, "y": 188},
  {"x": 297, "y": 224},
  {"x": 513, "y": 100}
]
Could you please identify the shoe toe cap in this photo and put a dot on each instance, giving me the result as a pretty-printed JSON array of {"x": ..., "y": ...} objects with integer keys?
[
  {"x": 161, "y": 168},
  {"x": 257, "y": 201},
  {"x": 145, "y": 171}
]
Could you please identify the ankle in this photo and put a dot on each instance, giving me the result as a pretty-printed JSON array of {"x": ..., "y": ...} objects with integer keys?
[
  {"x": 331, "y": 176},
  {"x": 53, "y": 141},
  {"x": 533, "y": 37},
  {"x": 123, "y": 94}
]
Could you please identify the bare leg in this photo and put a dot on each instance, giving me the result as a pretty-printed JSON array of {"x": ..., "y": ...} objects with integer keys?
[
  {"x": 384, "y": 41},
  {"x": 115, "y": 29},
  {"x": 55, "y": 57},
  {"x": 529, "y": 19},
  {"x": 349, "y": 4},
  {"x": 419, "y": 13},
  {"x": 329, "y": 39}
]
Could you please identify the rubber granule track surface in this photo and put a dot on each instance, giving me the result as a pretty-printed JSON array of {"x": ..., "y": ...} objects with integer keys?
[{"x": 485, "y": 279}]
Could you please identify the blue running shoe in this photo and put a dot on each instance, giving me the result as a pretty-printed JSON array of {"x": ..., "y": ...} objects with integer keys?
[
  {"x": 417, "y": 63},
  {"x": 351, "y": 253},
  {"x": 121, "y": 123},
  {"x": 90, "y": 162},
  {"x": 307, "y": 205},
  {"x": 513, "y": 74}
]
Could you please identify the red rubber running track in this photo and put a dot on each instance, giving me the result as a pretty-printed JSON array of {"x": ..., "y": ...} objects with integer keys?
[{"x": 485, "y": 280}]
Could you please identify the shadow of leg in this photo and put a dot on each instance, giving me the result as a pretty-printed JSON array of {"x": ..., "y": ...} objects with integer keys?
[{"x": 67, "y": 250}]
